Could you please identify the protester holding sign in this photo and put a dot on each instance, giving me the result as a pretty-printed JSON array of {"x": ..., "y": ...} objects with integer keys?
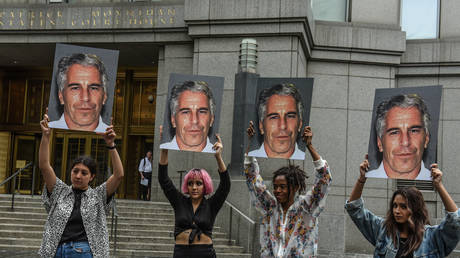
[{"x": 76, "y": 224}]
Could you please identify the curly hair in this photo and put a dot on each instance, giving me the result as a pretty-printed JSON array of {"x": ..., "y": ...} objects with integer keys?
[
  {"x": 295, "y": 178},
  {"x": 417, "y": 220}
]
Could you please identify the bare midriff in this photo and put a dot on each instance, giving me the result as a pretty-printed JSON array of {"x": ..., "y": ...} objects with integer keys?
[{"x": 182, "y": 238}]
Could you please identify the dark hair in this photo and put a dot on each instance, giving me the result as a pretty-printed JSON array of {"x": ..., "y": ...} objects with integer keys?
[
  {"x": 418, "y": 218},
  {"x": 193, "y": 86},
  {"x": 87, "y": 161},
  {"x": 295, "y": 177},
  {"x": 82, "y": 59},
  {"x": 284, "y": 89},
  {"x": 402, "y": 101}
]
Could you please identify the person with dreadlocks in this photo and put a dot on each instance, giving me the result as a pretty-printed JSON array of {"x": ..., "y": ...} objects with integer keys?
[
  {"x": 405, "y": 232},
  {"x": 289, "y": 218},
  {"x": 193, "y": 213}
]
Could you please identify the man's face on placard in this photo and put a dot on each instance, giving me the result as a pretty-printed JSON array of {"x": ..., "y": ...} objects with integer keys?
[
  {"x": 192, "y": 120},
  {"x": 403, "y": 142},
  {"x": 280, "y": 126},
  {"x": 83, "y": 97}
]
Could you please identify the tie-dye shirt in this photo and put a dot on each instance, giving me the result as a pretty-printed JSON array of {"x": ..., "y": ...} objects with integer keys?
[{"x": 296, "y": 233}]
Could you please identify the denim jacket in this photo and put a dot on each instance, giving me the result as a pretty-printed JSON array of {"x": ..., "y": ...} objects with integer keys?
[{"x": 438, "y": 240}]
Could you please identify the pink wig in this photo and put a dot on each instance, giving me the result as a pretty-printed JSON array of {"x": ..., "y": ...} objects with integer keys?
[{"x": 200, "y": 173}]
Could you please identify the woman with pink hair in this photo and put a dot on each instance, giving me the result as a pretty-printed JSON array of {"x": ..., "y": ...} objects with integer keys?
[{"x": 195, "y": 214}]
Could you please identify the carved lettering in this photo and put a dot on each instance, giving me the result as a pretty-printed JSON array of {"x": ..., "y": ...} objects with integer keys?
[{"x": 138, "y": 16}]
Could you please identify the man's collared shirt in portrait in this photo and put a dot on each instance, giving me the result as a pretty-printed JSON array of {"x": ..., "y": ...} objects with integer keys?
[
  {"x": 172, "y": 145},
  {"x": 61, "y": 124},
  {"x": 298, "y": 154},
  {"x": 424, "y": 174}
]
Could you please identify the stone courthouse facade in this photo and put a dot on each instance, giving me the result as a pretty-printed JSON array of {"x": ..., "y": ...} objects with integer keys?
[{"x": 350, "y": 48}]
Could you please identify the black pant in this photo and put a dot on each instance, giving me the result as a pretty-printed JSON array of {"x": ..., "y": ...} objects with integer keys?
[
  {"x": 145, "y": 189},
  {"x": 194, "y": 251}
]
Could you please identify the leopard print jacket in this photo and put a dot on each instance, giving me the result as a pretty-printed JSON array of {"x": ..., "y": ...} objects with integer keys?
[{"x": 94, "y": 208}]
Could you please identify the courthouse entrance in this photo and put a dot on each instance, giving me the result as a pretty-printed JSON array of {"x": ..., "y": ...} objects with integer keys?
[{"x": 25, "y": 92}]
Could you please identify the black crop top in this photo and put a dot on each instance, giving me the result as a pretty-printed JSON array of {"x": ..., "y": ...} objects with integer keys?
[{"x": 202, "y": 221}]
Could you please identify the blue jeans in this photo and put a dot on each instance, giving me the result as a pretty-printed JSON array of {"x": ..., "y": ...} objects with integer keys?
[{"x": 74, "y": 250}]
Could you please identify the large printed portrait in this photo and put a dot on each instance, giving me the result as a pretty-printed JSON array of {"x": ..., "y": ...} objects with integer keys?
[
  {"x": 82, "y": 88},
  {"x": 192, "y": 112},
  {"x": 404, "y": 131},
  {"x": 282, "y": 111}
]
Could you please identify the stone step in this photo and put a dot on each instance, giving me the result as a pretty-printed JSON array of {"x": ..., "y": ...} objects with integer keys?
[
  {"x": 145, "y": 209},
  {"x": 12, "y": 220},
  {"x": 23, "y": 227},
  {"x": 137, "y": 203},
  {"x": 36, "y": 242},
  {"x": 23, "y": 215},
  {"x": 145, "y": 215},
  {"x": 136, "y": 213},
  {"x": 20, "y": 198},
  {"x": 145, "y": 229},
  {"x": 7, "y": 204}
]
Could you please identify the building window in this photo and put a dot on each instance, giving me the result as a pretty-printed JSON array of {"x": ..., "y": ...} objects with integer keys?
[
  {"x": 420, "y": 18},
  {"x": 330, "y": 10}
]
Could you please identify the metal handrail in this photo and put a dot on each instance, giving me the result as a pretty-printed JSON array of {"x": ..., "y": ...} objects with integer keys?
[
  {"x": 114, "y": 220},
  {"x": 252, "y": 222},
  {"x": 13, "y": 176}
]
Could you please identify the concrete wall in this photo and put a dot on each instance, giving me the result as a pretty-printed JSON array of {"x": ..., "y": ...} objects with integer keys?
[
  {"x": 375, "y": 11},
  {"x": 449, "y": 19}
]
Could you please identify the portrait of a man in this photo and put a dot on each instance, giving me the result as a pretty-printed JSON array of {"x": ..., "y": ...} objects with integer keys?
[
  {"x": 192, "y": 115},
  {"x": 281, "y": 114},
  {"x": 81, "y": 81},
  {"x": 403, "y": 128}
]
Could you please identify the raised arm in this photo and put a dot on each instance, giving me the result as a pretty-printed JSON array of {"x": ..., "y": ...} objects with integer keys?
[
  {"x": 262, "y": 199},
  {"x": 314, "y": 200},
  {"x": 118, "y": 173},
  {"x": 218, "y": 147},
  {"x": 368, "y": 223},
  {"x": 44, "y": 155},
  {"x": 218, "y": 199},
  {"x": 359, "y": 185},
  {"x": 447, "y": 233},
  {"x": 447, "y": 200}
]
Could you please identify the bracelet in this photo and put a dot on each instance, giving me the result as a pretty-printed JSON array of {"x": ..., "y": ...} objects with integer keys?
[
  {"x": 111, "y": 147},
  {"x": 362, "y": 181}
]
